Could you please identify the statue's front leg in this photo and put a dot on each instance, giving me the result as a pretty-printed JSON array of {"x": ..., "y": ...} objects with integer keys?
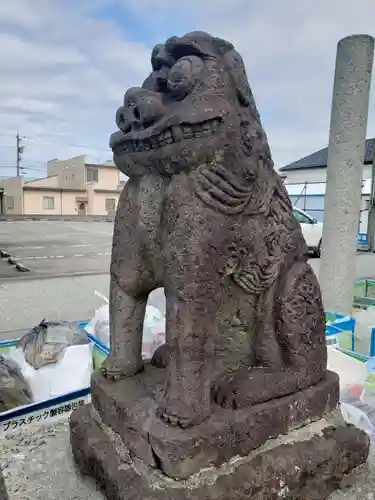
[
  {"x": 191, "y": 325},
  {"x": 126, "y": 325},
  {"x": 131, "y": 281}
]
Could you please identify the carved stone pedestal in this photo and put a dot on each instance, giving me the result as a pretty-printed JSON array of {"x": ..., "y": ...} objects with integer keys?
[
  {"x": 307, "y": 464},
  {"x": 132, "y": 454},
  {"x": 3, "y": 490}
]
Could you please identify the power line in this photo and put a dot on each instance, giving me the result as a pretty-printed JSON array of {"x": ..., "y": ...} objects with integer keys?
[
  {"x": 70, "y": 144},
  {"x": 55, "y": 139}
]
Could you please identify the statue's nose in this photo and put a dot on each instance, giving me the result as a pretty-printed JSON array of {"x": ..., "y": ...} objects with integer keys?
[{"x": 142, "y": 108}]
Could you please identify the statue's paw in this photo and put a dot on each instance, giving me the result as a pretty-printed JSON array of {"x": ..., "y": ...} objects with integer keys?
[
  {"x": 114, "y": 370},
  {"x": 176, "y": 412},
  {"x": 161, "y": 356},
  {"x": 231, "y": 393}
]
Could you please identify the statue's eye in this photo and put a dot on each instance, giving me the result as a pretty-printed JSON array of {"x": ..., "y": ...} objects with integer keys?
[{"x": 182, "y": 76}]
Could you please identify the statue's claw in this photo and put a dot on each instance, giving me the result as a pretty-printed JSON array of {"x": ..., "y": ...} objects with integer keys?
[{"x": 114, "y": 370}]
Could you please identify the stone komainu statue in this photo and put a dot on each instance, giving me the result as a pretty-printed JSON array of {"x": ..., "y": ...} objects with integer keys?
[{"x": 205, "y": 216}]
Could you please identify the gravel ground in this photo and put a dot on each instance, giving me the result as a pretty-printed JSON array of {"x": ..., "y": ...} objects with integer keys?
[{"x": 37, "y": 465}]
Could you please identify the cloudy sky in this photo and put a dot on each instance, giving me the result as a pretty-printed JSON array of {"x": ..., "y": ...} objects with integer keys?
[{"x": 65, "y": 65}]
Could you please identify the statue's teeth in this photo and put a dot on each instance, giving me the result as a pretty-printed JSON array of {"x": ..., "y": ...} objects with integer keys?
[
  {"x": 177, "y": 133},
  {"x": 188, "y": 131},
  {"x": 171, "y": 135}
]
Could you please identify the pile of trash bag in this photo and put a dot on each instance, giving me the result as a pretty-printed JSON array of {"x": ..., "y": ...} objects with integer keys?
[
  {"x": 55, "y": 358},
  {"x": 14, "y": 389},
  {"x": 46, "y": 343},
  {"x": 153, "y": 328}
]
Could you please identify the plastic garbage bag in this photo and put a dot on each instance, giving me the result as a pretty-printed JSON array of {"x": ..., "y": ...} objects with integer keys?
[
  {"x": 72, "y": 372},
  {"x": 14, "y": 389},
  {"x": 153, "y": 328},
  {"x": 350, "y": 370},
  {"x": 46, "y": 343},
  {"x": 153, "y": 331},
  {"x": 98, "y": 326},
  {"x": 357, "y": 399},
  {"x": 356, "y": 416}
]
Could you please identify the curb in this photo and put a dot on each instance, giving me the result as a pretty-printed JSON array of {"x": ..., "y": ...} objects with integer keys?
[
  {"x": 20, "y": 267},
  {"x": 12, "y": 261}
]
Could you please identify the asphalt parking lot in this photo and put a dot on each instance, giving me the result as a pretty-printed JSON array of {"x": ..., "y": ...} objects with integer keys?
[
  {"x": 55, "y": 248},
  {"x": 68, "y": 262}
]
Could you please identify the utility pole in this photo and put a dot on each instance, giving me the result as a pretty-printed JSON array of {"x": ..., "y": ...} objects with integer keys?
[{"x": 19, "y": 153}]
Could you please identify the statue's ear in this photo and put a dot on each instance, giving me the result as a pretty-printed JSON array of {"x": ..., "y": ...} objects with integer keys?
[
  {"x": 156, "y": 51},
  {"x": 222, "y": 46},
  {"x": 236, "y": 66}
]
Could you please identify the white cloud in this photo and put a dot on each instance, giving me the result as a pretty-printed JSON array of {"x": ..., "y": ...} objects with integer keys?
[
  {"x": 64, "y": 70},
  {"x": 63, "y": 76}
]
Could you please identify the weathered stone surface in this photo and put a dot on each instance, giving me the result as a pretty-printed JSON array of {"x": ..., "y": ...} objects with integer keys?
[
  {"x": 129, "y": 408},
  {"x": 307, "y": 465},
  {"x": 3, "y": 490},
  {"x": 205, "y": 216}
]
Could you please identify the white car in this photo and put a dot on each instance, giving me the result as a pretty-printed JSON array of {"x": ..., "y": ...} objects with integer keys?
[{"x": 312, "y": 230}]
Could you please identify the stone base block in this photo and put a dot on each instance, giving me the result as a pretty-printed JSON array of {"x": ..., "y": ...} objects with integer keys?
[
  {"x": 3, "y": 490},
  {"x": 128, "y": 406},
  {"x": 307, "y": 464}
]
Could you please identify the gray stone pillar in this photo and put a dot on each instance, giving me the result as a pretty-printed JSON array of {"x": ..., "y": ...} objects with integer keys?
[
  {"x": 371, "y": 214},
  {"x": 344, "y": 171}
]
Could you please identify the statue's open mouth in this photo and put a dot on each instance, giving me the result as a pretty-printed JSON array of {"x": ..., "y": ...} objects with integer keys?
[{"x": 170, "y": 135}]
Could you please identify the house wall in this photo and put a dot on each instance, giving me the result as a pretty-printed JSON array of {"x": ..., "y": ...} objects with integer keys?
[
  {"x": 108, "y": 178},
  {"x": 71, "y": 173},
  {"x": 64, "y": 202},
  {"x": 69, "y": 202},
  {"x": 305, "y": 175},
  {"x": 52, "y": 181},
  {"x": 33, "y": 202},
  {"x": 315, "y": 175},
  {"x": 99, "y": 203},
  {"x": 13, "y": 189},
  {"x": 66, "y": 182}
]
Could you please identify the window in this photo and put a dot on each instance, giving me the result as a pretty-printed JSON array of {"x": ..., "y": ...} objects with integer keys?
[
  {"x": 48, "y": 203},
  {"x": 10, "y": 202},
  {"x": 110, "y": 204},
  {"x": 92, "y": 175},
  {"x": 302, "y": 217}
]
